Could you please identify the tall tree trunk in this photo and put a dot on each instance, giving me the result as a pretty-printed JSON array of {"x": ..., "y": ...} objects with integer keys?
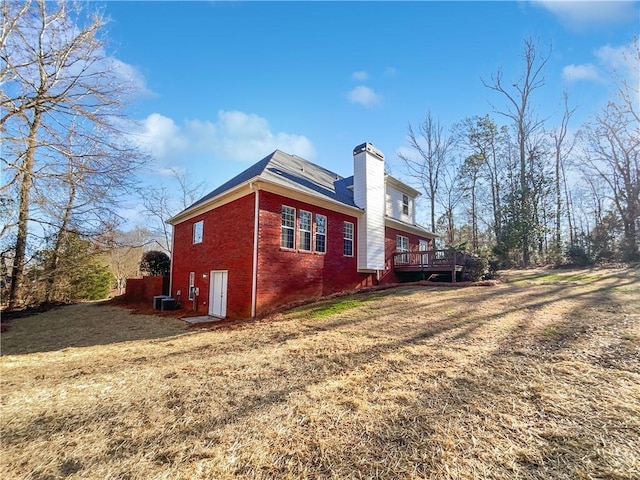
[
  {"x": 60, "y": 237},
  {"x": 558, "y": 192},
  {"x": 524, "y": 192},
  {"x": 568, "y": 200},
  {"x": 17, "y": 271},
  {"x": 433, "y": 214},
  {"x": 474, "y": 219}
]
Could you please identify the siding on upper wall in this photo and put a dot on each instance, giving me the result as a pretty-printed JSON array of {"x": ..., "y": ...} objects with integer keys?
[
  {"x": 368, "y": 194},
  {"x": 227, "y": 244},
  {"x": 394, "y": 205},
  {"x": 286, "y": 276}
]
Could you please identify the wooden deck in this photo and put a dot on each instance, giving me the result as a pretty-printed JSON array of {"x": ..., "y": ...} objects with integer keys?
[{"x": 430, "y": 262}]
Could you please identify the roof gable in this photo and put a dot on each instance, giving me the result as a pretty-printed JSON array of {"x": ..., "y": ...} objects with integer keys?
[
  {"x": 296, "y": 175},
  {"x": 292, "y": 172},
  {"x": 253, "y": 171}
]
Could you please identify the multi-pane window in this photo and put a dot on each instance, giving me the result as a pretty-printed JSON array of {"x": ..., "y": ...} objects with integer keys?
[
  {"x": 304, "y": 229},
  {"x": 192, "y": 284},
  {"x": 288, "y": 232},
  {"x": 197, "y": 231},
  {"x": 321, "y": 233},
  {"x": 405, "y": 204},
  {"x": 347, "y": 237},
  {"x": 402, "y": 245}
]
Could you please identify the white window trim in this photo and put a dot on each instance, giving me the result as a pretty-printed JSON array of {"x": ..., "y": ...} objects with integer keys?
[
  {"x": 407, "y": 205},
  {"x": 192, "y": 283},
  {"x": 315, "y": 238},
  {"x": 400, "y": 247},
  {"x": 198, "y": 228},
  {"x": 344, "y": 224},
  {"x": 300, "y": 231},
  {"x": 282, "y": 227}
]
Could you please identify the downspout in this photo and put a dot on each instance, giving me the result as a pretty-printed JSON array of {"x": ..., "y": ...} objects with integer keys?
[
  {"x": 254, "y": 276},
  {"x": 173, "y": 237}
]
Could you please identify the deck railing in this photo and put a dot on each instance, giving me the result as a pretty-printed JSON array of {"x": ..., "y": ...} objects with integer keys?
[
  {"x": 429, "y": 258},
  {"x": 443, "y": 260}
]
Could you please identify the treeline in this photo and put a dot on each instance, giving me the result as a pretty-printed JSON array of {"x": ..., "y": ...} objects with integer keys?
[
  {"x": 70, "y": 161},
  {"x": 89, "y": 269},
  {"x": 524, "y": 192},
  {"x": 517, "y": 190}
]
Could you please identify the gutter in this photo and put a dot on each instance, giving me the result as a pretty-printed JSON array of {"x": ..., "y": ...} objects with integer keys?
[
  {"x": 173, "y": 240},
  {"x": 256, "y": 225}
]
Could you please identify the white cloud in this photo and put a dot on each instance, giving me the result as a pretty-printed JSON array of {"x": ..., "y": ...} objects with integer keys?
[
  {"x": 574, "y": 73},
  {"x": 581, "y": 14},
  {"x": 234, "y": 135},
  {"x": 407, "y": 151},
  {"x": 620, "y": 60},
  {"x": 162, "y": 137},
  {"x": 365, "y": 96},
  {"x": 131, "y": 77},
  {"x": 390, "y": 71},
  {"x": 360, "y": 75}
]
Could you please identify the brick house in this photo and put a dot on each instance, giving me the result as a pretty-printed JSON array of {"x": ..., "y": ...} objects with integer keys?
[{"x": 286, "y": 229}]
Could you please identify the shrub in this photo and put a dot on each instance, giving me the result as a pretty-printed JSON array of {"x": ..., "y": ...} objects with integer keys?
[
  {"x": 155, "y": 262},
  {"x": 94, "y": 283},
  {"x": 578, "y": 256},
  {"x": 475, "y": 267}
]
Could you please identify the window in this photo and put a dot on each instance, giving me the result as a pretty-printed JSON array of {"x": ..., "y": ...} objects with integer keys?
[
  {"x": 304, "y": 228},
  {"x": 321, "y": 233},
  {"x": 402, "y": 245},
  {"x": 347, "y": 236},
  {"x": 405, "y": 204},
  {"x": 287, "y": 234},
  {"x": 192, "y": 284},
  {"x": 197, "y": 231}
]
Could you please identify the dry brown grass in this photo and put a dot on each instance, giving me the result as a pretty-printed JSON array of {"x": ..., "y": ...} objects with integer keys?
[{"x": 538, "y": 377}]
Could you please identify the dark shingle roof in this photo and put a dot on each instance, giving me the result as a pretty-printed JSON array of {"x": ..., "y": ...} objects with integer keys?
[
  {"x": 290, "y": 171},
  {"x": 298, "y": 174}
]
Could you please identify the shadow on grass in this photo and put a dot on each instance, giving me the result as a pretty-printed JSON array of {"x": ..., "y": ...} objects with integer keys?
[
  {"x": 85, "y": 325},
  {"x": 414, "y": 432}
]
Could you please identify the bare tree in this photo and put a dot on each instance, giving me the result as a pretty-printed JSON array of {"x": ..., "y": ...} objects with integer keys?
[
  {"x": 561, "y": 152},
  {"x": 612, "y": 152},
  {"x": 470, "y": 173},
  {"x": 57, "y": 80},
  {"x": 519, "y": 110},
  {"x": 428, "y": 159},
  {"x": 162, "y": 202},
  {"x": 486, "y": 161},
  {"x": 123, "y": 252},
  {"x": 449, "y": 198}
]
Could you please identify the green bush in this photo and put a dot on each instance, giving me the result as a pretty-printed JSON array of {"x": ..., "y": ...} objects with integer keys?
[
  {"x": 155, "y": 262},
  {"x": 93, "y": 283},
  {"x": 578, "y": 256},
  {"x": 475, "y": 267}
]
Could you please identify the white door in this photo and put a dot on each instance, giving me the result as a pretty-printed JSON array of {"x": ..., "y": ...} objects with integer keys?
[
  {"x": 218, "y": 293},
  {"x": 423, "y": 245}
]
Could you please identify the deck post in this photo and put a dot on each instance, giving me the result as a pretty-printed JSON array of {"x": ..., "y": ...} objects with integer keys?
[{"x": 453, "y": 265}]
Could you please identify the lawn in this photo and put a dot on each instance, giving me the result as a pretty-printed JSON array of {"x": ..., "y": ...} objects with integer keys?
[{"x": 536, "y": 377}]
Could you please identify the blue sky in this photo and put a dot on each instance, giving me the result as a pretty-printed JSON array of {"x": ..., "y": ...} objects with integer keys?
[{"x": 226, "y": 83}]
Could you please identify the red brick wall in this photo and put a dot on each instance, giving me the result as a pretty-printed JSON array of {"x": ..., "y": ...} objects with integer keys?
[
  {"x": 143, "y": 289},
  {"x": 285, "y": 276},
  {"x": 227, "y": 245}
]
